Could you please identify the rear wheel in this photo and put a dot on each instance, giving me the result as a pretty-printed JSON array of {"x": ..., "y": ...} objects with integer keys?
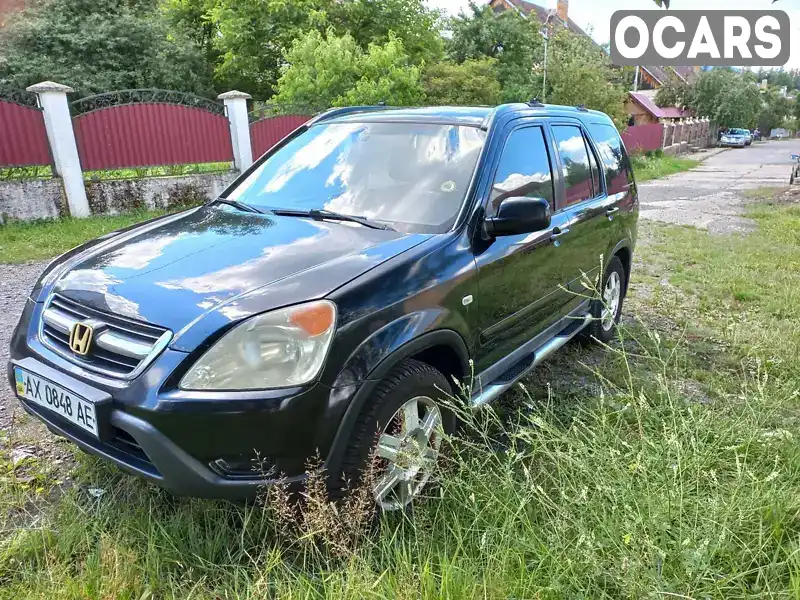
[
  {"x": 401, "y": 432},
  {"x": 607, "y": 309}
]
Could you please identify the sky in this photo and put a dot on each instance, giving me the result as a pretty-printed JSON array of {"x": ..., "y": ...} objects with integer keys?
[{"x": 594, "y": 16}]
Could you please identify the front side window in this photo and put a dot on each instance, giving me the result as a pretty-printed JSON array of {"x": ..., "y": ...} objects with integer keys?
[
  {"x": 412, "y": 176},
  {"x": 524, "y": 168},
  {"x": 575, "y": 161}
]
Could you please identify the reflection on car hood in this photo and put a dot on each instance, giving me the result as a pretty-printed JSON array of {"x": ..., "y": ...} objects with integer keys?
[{"x": 172, "y": 274}]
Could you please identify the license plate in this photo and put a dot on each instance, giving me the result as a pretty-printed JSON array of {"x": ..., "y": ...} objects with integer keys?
[{"x": 55, "y": 398}]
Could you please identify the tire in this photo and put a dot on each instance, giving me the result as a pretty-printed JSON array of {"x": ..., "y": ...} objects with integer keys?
[
  {"x": 409, "y": 380},
  {"x": 598, "y": 329}
]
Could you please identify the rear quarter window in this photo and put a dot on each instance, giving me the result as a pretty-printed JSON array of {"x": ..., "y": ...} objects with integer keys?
[{"x": 618, "y": 172}]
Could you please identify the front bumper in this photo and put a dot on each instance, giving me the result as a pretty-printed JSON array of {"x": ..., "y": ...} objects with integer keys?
[
  {"x": 175, "y": 438},
  {"x": 145, "y": 451}
]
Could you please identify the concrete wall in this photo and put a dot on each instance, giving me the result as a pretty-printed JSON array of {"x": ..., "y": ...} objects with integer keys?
[
  {"x": 43, "y": 198},
  {"x": 32, "y": 199}
]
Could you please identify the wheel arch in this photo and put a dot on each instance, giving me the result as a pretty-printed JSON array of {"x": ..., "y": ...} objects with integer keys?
[
  {"x": 624, "y": 251},
  {"x": 443, "y": 349}
]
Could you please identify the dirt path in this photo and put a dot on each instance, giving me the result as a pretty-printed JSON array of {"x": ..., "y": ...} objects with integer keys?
[{"x": 712, "y": 196}]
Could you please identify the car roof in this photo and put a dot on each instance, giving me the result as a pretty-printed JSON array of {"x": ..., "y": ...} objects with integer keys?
[
  {"x": 474, "y": 116},
  {"x": 456, "y": 115}
]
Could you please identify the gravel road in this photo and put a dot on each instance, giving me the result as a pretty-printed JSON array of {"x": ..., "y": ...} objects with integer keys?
[
  {"x": 712, "y": 195},
  {"x": 16, "y": 282}
]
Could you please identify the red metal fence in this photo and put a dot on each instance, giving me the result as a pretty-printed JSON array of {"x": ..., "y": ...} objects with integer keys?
[
  {"x": 148, "y": 134},
  {"x": 23, "y": 138},
  {"x": 643, "y": 137},
  {"x": 264, "y": 134}
]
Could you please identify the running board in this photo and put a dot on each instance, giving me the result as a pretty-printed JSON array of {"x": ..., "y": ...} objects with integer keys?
[{"x": 493, "y": 390}]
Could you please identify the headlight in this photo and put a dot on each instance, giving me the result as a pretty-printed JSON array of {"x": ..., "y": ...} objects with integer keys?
[{"x": 282, "y": 348}]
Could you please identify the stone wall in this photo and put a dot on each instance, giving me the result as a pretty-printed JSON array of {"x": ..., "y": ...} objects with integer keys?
[{"x": 43, "y": 198}]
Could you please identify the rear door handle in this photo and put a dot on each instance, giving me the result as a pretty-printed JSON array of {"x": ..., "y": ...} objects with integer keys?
[
  {"x": 612, "y": 211},
  {"x": 557, "y": 234}
]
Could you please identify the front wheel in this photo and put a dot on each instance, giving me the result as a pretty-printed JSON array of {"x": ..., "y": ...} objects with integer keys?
[
  {"x": 607, "y": 309},
  {"x": 398, "y": 436}
]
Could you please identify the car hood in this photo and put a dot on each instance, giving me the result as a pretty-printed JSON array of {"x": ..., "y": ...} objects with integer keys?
[{"x": 173, "y": 273}]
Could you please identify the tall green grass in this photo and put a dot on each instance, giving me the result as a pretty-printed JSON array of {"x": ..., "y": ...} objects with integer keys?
[
  {"x": 638, "y": 492},
  {"x": 40, "y": 240},
  {"x": 664, "y": 466},
  {"x": 657, "y": 165}
]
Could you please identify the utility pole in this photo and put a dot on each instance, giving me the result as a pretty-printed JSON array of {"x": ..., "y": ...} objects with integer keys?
[
  {"x": 544, "y": 78},
  {"x": 545, "y": 32},
  {"x": 636, "y": 80}
]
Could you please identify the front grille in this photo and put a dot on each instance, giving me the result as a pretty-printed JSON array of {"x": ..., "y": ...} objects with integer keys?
[{"x": 120, "y": 347}]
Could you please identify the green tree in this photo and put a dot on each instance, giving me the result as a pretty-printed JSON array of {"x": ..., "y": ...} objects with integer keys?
[
  {"x": 727, "y": 98},
  {"x": 775, "y": 110},
  {"x": 579, "y": 72},
  {"x": 708, "y": 90},
  {"x": 675, "y": 92},
  {"x": 100, "y": 46},
  {"x": 739, "y": 106},
  {"x": 373, "y": 21},
  {"x": 473, "y": 82},
  {"x": 324, "y": 71},
  {"x": 249, "y": 38},
  {"x": 513, "y": 41}
]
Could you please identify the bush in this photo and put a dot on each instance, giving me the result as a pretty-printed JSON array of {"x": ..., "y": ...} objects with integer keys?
[
  {"x": 473, "y": 82},
  {"x": 98, "y": 47},
  {"x": 334, "y": 71}
]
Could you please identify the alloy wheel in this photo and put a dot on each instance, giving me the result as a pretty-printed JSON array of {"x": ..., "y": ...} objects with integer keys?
[
  {"x": 612, "y": 295},
  {"x": 407, "y": 451}
]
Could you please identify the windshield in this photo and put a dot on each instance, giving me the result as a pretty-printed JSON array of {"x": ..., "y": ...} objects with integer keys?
[
  {"x": 412, "y": 176},
  {"x": 739, "y": 132}
]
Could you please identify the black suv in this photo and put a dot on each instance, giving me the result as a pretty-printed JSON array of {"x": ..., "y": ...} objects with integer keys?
[{"x": 329, "y": 297}]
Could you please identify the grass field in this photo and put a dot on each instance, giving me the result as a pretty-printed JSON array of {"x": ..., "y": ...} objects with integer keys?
[
  {"x": 661, "y": 165},
  {"x": 665, "y": 466},
  {"x": 39, "y": 240}
]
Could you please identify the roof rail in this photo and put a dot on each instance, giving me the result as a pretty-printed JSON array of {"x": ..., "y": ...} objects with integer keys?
[{"x": 344, "y": 110}]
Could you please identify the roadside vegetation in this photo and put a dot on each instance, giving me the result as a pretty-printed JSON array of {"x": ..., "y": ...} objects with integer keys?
[
  {"x": 654, "y": 165},
  {"x": 39, "y": 240},
  {"x": 666, "y": 465}
]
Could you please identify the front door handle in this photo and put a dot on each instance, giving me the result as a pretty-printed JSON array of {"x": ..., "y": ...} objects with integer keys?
[
  {"x": 557, "y": 234},
  {"x": 612, "y": 211}
]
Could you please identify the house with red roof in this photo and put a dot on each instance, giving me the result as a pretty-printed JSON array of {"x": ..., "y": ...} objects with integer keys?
[
  {"x": 643, "y": 110},
  {"x": 547, "y": 16}
]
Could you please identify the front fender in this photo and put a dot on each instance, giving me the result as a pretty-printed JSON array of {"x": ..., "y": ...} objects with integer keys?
[
  {"x": 401, "y": 338},
  {"x": 376, "y": 361}
]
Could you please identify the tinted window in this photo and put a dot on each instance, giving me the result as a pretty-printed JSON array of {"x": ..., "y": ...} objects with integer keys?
[
  {"x": 575, "y": 161},
  {"x": 524, "y": 168},
  {"x": 414, "y": 176},
  {"x": 613, "y": 157}
]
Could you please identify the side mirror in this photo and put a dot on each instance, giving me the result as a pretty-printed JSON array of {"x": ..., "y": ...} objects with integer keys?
[{"x": 519, "y": 215}]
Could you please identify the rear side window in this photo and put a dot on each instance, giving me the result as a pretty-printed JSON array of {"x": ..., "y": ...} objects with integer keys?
[
  {"x": 575, "y": 162},
  {"x": 524, "y": 168},
  {"x": 619, "y": 176}
]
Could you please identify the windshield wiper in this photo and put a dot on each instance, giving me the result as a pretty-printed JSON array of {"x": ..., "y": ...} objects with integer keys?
[
  {"x": 240, "y": 205},
  {"x": 317, "y": 213}
]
